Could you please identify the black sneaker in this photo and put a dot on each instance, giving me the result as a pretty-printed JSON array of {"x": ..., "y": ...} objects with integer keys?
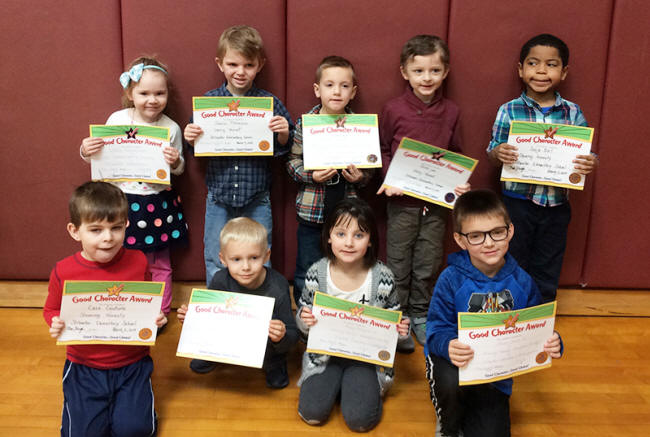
[
  {"x": 277, "y": 377},
  {"x": 202, "y": 366}
]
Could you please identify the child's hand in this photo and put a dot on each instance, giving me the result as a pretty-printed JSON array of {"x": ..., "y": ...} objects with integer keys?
[
  {"x": 585, "y": 164},
  {"x": 352, "y": 174},
  {"x": 462, "y": 189},
  {"x": 181, "y": 312},
  {"x": 320, "y": 176},
  {"x": 172, "y": 156},
  {"x": 390, "y": 191},
  {"x": 553, "y": 346},
  {"x": 277, "y": 329},
  {"x": 307, "y": 317},
  {"x": 192, "y": 132},
  {"x": 459, "y": 353},
  {"x": 161, "y": 320},
  {"x": 403, "y": 326},
  {"x": 56, "y": 327},
  {"x": 90, "y": 146},
  {"x": 506, "y": 153},
  {"x": 280, "y": 125}
]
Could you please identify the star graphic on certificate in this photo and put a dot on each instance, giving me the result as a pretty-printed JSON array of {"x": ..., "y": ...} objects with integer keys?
[
  {"x": 510, "y": 321},
  {"x": 231, "y": 302},
  {"x": 340, "y": 122},
  {"x": 437, "y": 155},
  {"x": 234, "y": 105},
  {"x": 548, "y": 133},
  {"x": 356, "y": 311},
  {"x": 131, "y": 133},
  {"x": 115, "y": 290}
]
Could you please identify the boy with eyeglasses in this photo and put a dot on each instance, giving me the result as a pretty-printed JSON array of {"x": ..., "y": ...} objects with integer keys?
[{"x": 483, "y": 277}]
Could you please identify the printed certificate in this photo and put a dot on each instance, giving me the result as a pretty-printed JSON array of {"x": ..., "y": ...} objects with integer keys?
[
  {"x": 353, "y": 330},
  {"x": 226, "y": 327},
  {"x": 505, "y": 344},
  {"x": 110, "y": 312},
  {"x": 336, "y": 141},
  {"x": 233, "y": 126},
  {"x": 130, "y": 153},
  {"x": 546, "y": 152},
  {"x": 428, "y": 172}
]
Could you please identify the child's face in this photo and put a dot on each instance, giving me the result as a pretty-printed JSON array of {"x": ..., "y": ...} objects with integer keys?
[
  {"x": 488, "y": 256},
  {"x": 542, "y": 71},
  {"x": 349, "y": 244},
  {"x": 245, "y": 262},
  {"x": 425, "y": 75},
  {"x": 239, "y": 71},
  {"x": 149, "y": 96},
  {"x": 335, "y": 89},
  {"x": 100, "y": 240}
]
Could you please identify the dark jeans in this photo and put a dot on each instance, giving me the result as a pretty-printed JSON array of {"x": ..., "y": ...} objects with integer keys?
[
  {"x": 309, "y": 252},
  {"x": 539, "y": 241}
]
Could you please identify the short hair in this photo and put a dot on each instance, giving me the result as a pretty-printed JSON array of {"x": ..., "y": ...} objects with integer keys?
[
  {"x": 422, "y": 45},
  {"x": 96, "y": 201},
  {"x": 344, "y": 211},
  {"x": 244, "y": 39},
  {"x": 146, "y": 60},
  {"x": 478, "y": 203},
  {"x": 245, "y": 230},
  {"x": 546, "y": 40},
  {"x": 334, "y": 61}
]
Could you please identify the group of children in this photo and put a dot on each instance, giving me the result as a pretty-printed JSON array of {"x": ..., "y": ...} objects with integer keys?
[{"x": 337, "y": 240}]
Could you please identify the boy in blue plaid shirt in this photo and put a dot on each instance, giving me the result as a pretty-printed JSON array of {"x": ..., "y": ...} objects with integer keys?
[
  {"x": 540, "y": 213},
  {"x": 239, "y": 185}
]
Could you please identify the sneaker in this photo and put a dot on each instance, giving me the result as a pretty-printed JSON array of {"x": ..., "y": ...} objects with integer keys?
[
  {"x": 202, "y": 366},
  {"x": 277, "y": 377},
  {"x": 419, "y": 328},
  {"x": 405, "y": 344}
]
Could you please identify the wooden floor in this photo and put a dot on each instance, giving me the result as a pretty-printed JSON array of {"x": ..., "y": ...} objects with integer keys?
[{"x": 600, "y": 388}]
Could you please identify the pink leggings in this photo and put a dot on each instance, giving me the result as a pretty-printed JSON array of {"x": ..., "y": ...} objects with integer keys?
[{"x": 161, "y": 271}]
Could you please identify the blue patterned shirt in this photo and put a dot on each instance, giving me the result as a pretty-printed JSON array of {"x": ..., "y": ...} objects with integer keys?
[
  {"x": 235, "y": 180},
  {"x": 524, "y": 108}
]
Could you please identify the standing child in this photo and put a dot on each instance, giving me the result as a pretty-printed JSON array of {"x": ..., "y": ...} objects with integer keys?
[
  {"x": 540, "y": 213},
  {"x": 106, "y": 388},
  {"x": 155, "y": 212},
  {"x": 350, "y": 271},
  {"x": 320, "y": 190},
  {"x": 239, "y": 186},
  {"x": 481, "y": 278},
  {"x": 416, "y": 228}
]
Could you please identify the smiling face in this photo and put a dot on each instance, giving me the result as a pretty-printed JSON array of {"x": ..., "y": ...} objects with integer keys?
[
  {"x": 245, "y": 262},
  {"x": 239, "y": 71},
  {"x": 348, "y": 242},
  {"x": 542, "y": 72},
  {"x": 425, "y": 74},
  {"x": 149, "y": 96},
  {"x": 100, "y": 240},
  {"x": 335, "y": 89}
]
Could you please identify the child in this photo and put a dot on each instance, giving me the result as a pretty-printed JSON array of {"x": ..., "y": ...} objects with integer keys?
[
  {"x": 244, "y": 251},
  {"x": 320, "y": 190},
  {"x": 483, "y": 272},
  {"x": 106, "y": 388},
  {"x": 155, "y": 212},
  {"x": 239, "y": 186},
  {"x": 349, "y": 271},
  {"x": 416, "y": 228},
  {"x": 540, "y": 213}
]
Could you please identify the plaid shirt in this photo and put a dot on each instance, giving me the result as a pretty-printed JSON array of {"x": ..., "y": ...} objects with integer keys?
[
  {"x": 310, "y": 199},
  {"x": 524, "y": 108},
  {"x": 235, "y": 180}
]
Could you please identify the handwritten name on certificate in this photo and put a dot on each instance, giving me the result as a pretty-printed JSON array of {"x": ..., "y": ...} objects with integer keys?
[
  {"x": 233, "y": 126},
  {"x": 505, "y": 344},
  {"x": 226, "y": 327},
  {"x": 130, "y": 153},
  {"x": 110, "y": 312},
  {"x": 336, "y": 141},
  {"x": 428, "y": 172},
  {"x": 546, "y": 152},
  {"x": 353, "y": 330}
]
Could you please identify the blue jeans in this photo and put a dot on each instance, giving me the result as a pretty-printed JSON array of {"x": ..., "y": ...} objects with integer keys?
[
  {"x": 216, "y": 216},
  {"x": 309, "y": 251}
]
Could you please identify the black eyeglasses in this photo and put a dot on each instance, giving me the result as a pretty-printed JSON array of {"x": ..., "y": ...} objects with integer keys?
[{"x": 478, "y": 237}]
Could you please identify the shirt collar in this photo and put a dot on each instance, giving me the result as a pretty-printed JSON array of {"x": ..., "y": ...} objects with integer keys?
[
  {"x": 251, "y": 91},
  {"x": 533, "y": 104},
  {"x": 413, "y": 99}
]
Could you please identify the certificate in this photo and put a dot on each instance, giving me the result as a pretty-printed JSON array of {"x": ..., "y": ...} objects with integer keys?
[
  {"x": 428, "y": 172},
  {"x": 505, "y": 344},
  {"x": 130, "y": 153},
  {"x": 226, "y": 327},
  {"x": 233, "y": 126},
  {"x": 110, "y": 312},
  {"x": 353, "y": 330},
  {"x": 336, "y": 141},
  {"x": 546, "y": 152}
]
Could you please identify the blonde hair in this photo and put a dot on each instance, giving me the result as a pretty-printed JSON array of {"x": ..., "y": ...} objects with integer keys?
[
  {"x": 146, "y": 60},
  {"x": 245, "y": 230},
  {"x": 244, "y": 39}
]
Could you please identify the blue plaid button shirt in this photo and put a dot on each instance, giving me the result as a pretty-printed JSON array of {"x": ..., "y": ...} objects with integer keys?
[
  {"x": 524, "y": 108},
  {"x": 235, "y": 180}
]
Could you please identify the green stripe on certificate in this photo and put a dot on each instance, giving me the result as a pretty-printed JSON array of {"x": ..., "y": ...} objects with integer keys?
[
  {"x": 428, "y": 149},
  {"x": 550, "y": 129},
  {"x": 114, "y": 287},
  {"x": 339, "y": 120},
  {"x": 488, "y": 320},
  {"x": 332, "y": 302},
  {"x": 227, "y": 298},
  {"x": 232, "y": 103},
  {"x": 130, "y": 131}
]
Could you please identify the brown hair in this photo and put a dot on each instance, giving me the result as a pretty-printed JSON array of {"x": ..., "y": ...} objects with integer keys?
[
  {"x": 478, "y": 203},
  {"x": 146, "y": 60},
  {"x": 422, "y": 45},
  {"x": 334, "y": 61},
  {"x": 96, "y": 201},
  {"x": 244, "y": 39}
]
